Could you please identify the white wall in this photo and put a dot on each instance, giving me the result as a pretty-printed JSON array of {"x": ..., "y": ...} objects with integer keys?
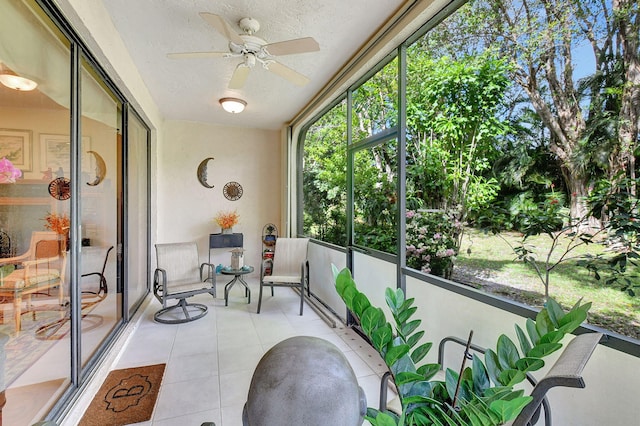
[{"x": 186, "y": 209}]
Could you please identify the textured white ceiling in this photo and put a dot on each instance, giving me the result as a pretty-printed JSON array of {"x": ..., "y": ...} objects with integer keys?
[{"x": 189, "y": 89}]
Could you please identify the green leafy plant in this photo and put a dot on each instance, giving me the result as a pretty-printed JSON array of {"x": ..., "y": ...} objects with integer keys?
[
  {"x": 566, "y": 235},
  {"x": 485, "y": 394},
  {"x": 548, "y": 218}
]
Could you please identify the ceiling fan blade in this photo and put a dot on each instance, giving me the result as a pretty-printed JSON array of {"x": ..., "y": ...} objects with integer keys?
[
  {"x": 239, "y": 77},
  {"x": 223, "y": 27},
  {"x": 292, "y": 47},
  {"x": 287, "y": 73},
  {"x": 188, "y": 55}
]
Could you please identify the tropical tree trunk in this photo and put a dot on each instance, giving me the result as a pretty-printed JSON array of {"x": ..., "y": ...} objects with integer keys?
[
  {"x": 627, "y": 19},
  {"x": 578, "y": 187}
]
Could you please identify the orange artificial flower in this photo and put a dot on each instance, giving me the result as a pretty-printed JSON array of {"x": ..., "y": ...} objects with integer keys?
[
  {"x": 227, "y": 219},
  {"x": 59, "y": 224}
]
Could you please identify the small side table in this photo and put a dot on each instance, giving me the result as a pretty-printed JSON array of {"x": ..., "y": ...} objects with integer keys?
[{"x": 237, "y": 277}]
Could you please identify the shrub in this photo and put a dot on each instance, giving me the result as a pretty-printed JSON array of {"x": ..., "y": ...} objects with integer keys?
[{"x": 432, "y": 241}]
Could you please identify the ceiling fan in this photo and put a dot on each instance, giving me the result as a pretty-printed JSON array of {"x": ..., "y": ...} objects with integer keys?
[{"x": 252, "y": 50}]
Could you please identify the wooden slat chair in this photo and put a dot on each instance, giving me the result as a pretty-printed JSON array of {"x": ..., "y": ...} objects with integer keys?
[
  {"x": 179, "y": 276},
  {"x": 290, "y": 268},
  {"x": 41, "y": 268}
]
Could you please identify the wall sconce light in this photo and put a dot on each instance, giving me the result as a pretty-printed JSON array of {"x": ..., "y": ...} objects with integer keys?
[
  {"x": 233, "y": 105},
  {"x": 15, "y": 82}
]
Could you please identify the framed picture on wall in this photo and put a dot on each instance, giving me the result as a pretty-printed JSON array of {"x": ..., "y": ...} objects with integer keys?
[
  {"x": 55, "y": 154},
  {"x": 16, "y": 146}
]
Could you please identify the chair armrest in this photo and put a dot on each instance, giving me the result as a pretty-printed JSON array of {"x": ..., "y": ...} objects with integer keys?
[
  {"x": 305, "y": 277},
  {"x": 29, "y": 264},
  {"x": 211, "y": 272},
  {"x": 160, "y": 279},
  {"x": 92, "y": 273},
  {"x": 384, "y": 382},
  {"x": 102, "y": 283},
  {"x": 14, "y": 260}
]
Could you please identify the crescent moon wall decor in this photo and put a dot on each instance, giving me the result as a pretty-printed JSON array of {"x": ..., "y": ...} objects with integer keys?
[
  {"x": 101, "y": 169},
  {"x": 202, "y": 172}
]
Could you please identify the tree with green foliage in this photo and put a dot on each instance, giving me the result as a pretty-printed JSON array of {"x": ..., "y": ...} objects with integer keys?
[
  {"x": 324, "y": 178},
  {"x": 541, "y": 40},
  {"x": 617, "y": 202},
  {"x": 454, "y": 125}
]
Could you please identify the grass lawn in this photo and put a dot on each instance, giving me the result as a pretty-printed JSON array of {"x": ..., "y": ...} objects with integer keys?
[{"x": 488, "y": 262}]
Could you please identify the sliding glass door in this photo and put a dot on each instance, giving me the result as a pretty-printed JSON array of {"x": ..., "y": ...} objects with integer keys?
[{"x": 68, "y": 159}]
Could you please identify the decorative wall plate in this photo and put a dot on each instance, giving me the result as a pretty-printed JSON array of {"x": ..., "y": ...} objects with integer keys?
[
  {"x": 232, "y": 191},
  {"x": 60, "y": 188}
]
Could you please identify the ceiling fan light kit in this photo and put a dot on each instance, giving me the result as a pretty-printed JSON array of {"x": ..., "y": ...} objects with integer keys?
[{"x": 233, "y": 105}]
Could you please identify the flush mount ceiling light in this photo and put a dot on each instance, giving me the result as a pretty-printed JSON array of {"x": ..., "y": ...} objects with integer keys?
[
  {"x": 233, "y": 105},
  {"x": 14, "y": 81}
]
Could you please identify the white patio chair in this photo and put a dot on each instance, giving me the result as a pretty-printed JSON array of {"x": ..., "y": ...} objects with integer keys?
[
  {"x": 290, "y": 268},
  {"x": 178, "y": 276}
]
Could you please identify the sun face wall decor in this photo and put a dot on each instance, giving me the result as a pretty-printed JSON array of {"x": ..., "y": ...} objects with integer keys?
[
  {"x": 60, "y": 188},
  {"x": 232, "y": 191}
]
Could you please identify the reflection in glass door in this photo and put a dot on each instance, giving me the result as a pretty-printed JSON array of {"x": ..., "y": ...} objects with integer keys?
[
  {"x": 100, "y": 188},
  {"x": 34, "y": 214}
]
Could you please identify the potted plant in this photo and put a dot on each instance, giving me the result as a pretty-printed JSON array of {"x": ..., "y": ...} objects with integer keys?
[{"x": 485, "y": 393}]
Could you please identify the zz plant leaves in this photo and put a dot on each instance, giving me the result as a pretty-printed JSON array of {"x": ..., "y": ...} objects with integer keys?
[
  {"x": 381, "y": 337},
  {"x": 395, "y": 299},
  {"x": 507, "y": 352},
  {"x": 486, "y": 395},
  {"x": 360, "y": 304},
  {"x": 529, "y": 364},
  {"x": 372, "y": 318},
  {"x": 509, "y": 410},
  {"x": 421, "y": 351},
  {"x": 525, "y": 346}
]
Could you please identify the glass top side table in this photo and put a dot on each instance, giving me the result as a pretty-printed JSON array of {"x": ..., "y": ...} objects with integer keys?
[{"x": 237, "y": 277}]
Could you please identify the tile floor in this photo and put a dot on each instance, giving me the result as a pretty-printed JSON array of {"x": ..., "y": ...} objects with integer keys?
[{"x": 210, "y": 361}]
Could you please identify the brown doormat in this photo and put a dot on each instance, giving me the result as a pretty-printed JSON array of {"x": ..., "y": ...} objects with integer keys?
[{"x": 126, "y": 396}]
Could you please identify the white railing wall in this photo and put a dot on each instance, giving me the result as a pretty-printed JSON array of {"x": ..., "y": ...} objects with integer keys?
[
  {"x": 612, "y": 377},
  {"x": 321, "y": 276},
  {"x": 373, "y": 276}
]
